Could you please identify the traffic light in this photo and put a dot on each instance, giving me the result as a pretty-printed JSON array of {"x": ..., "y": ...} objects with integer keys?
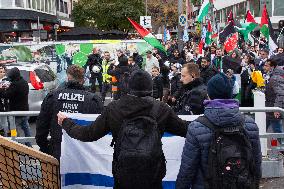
[{"x": 281, "y": 24}]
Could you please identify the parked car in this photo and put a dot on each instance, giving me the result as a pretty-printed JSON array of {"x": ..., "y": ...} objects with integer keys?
[{"x": 41, "y": 80}]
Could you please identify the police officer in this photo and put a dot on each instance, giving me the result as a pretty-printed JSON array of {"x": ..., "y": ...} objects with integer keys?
[
  {"x": 70, "y": 98},
  {"x": 106, "y": 78},
  {"x": 94, "y": 63}
]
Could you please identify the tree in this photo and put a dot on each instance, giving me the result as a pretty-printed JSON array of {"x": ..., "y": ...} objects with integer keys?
[
  {"x": 107, "y": 14},
  {"x": 163, "y": 13},
  {"x": 196, "y": 2}
]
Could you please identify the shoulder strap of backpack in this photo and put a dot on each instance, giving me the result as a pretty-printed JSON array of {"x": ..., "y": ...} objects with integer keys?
[{"x": 204, "y": 121}]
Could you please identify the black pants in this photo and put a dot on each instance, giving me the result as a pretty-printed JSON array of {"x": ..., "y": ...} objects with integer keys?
[
  {"x": 93, "y": 80},
  {"x": 106, "y": 88},
  {"x": 116, "y": 95}
]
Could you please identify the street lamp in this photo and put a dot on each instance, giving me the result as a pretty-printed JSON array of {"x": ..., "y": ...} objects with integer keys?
[{"x": 146, "y": 7}]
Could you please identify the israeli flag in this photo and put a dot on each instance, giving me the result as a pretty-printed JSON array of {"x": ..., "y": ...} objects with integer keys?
[{"x": 88, "y": 165}]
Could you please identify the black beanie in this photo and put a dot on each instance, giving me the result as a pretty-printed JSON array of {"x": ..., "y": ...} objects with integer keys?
[
  {"x": 14, "y": 74},
  {"x": 219, "y": 87},
  {"x": 140, "y": 83}
]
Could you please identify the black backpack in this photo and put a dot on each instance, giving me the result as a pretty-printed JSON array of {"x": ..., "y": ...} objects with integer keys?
[
  {"x": 139, "y": 160},
  {"x": 230, "y": 160}
]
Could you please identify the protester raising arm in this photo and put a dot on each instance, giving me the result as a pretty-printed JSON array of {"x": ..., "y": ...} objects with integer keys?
[
  {"x": 168, "y": 121},
  {"x": 93, "y": 132}
]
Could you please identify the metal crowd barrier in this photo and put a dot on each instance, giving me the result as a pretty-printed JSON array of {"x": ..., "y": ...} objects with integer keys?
[{"x": 263, "y": 135}]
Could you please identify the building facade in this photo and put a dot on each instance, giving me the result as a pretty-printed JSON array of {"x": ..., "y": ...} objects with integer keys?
[
  {"x": 222, "y": 9},
  {"x": 63, "y": 12},
  {"x": 275, "y": 10},
  {"x": 24, "y": 20}
]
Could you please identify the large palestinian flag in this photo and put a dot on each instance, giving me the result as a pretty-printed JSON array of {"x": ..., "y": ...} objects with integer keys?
[
  {"x": 267, "y": 30},
  {"x": 147, "y": 36},
  {"x": 247, "y": 27}
]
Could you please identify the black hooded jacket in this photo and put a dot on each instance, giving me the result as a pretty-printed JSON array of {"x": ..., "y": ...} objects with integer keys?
[
  {"x": 122, "y": 72},
  {"x": 207, "y": 73},
  {"x": 18, "y": 91},
  {"x": 192, "y": 96}
]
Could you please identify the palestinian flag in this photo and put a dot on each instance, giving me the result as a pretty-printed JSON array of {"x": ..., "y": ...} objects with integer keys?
[
  {"x": 250, "y": 22},
  {"x": 231, "y": 43},
  {"x": 227, "y": 31},
  {"x": 215, "y": 37},
  {"x": 147, "y": 36},
  {"x": 203, "y": 10},
  {"x": 247, "y": 27},
  {"x": 208, "y": 39},
  {"x": 200, "y": 46},
  {"x": 266, "y": 29}
]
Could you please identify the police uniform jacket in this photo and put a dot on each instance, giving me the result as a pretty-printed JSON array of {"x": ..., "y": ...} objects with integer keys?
[{"x": 70, "y": 98}]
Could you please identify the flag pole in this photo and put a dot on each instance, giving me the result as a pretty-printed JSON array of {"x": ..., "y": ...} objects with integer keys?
[
  {"x": 221, "y": 65},
  {"x": 146, "y": 7},
  {"x": 180, "y": 41}
]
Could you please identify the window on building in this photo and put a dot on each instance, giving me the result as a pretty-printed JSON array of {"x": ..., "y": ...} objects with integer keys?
[
  {"x": 254, "y": 7},
  {"x": 65, "y": 8},
  {"x": 61, "y": 9},
  {"x": 52, "y": 6},
  {"x": 34, "y": 2},
  {"x": 38, "y": 4},
  {"x": 42, "y": 5},
  {"x": 222, "y": 12},
  {"x": 57, "y": 5},
  {"x": 218, "y": 15},
  {"x": 46, "y": 6},
  {"x": 268, "y": 6},
  {"x": 278, "y": 8},
  {"x": 29, "y": 5},
  {"x": 19, "y": 3},
  {"x": 241, "y": 10},
  {"x": 5, "y": 4}
]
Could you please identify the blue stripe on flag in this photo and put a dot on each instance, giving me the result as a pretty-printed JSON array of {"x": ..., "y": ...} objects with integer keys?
[
  {"x": 86, "y": 123},
  {"x": 88, "y": 179},
  {"x": 82, "y": 122},
  {"x": 99, "y": 180}
]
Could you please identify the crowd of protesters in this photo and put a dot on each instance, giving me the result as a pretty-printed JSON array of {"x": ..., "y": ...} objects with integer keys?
[
  {"x": 191, "y": 84},
  {"x": 192, "y": 81},
  {"x": 180, "y": 77},
  {"x": 167, "y": 70}
]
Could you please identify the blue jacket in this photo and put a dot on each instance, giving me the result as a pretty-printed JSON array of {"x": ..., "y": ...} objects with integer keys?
[{"x": 198, "y": 138}]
